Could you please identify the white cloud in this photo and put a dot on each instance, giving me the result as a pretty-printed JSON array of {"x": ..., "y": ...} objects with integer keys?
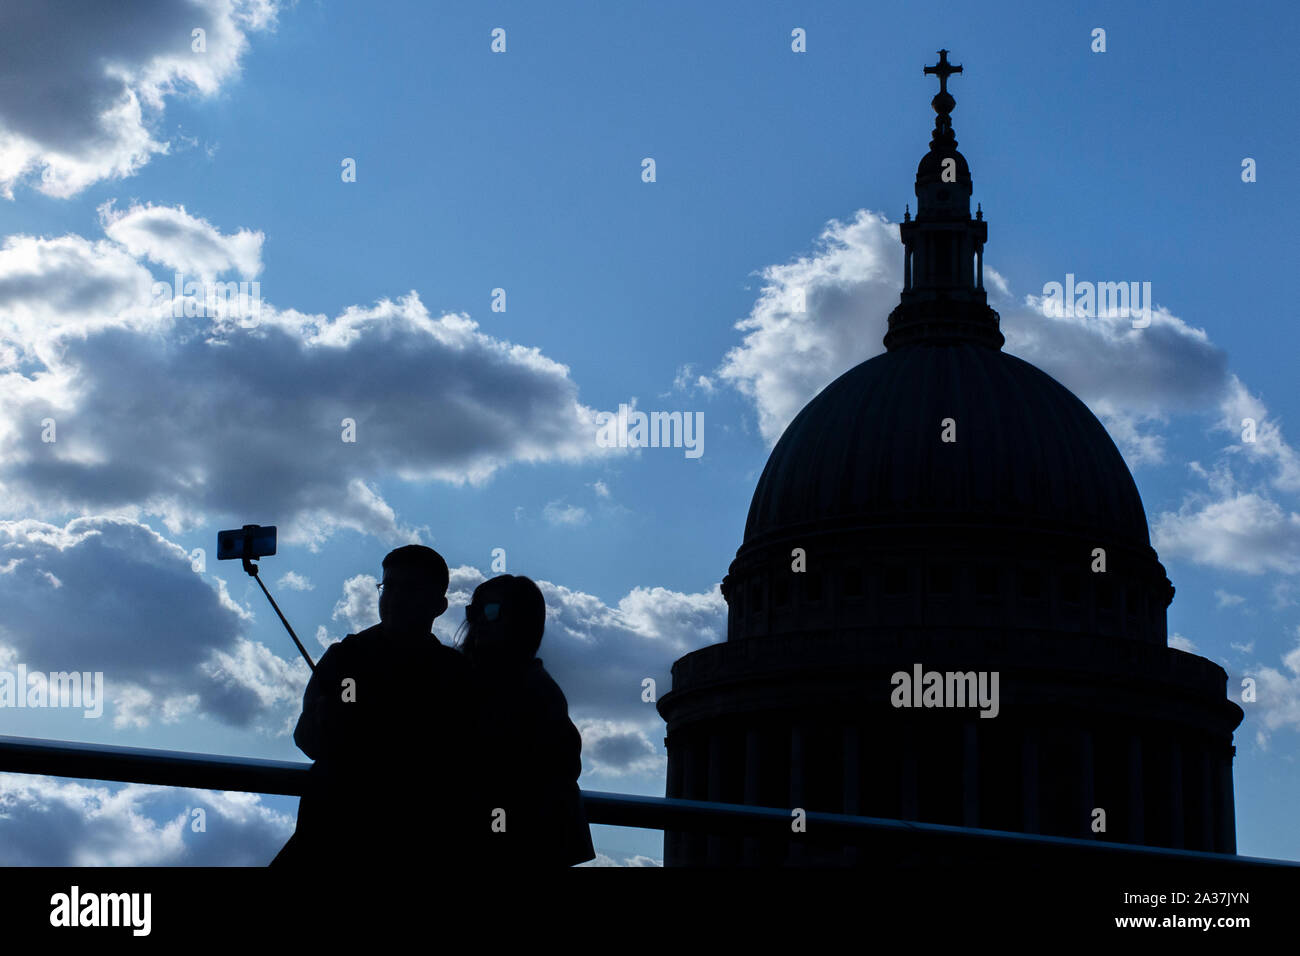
[
  {"x": 1138, "y": 446},
  {"x": 1277, "y": 703},
  {"x": 1227, "y": 599},
  {"x": 46, "y": 821},
  {"x": 65, "y": 288},
  {"x": 686, "y": 380},
  {"x": 171, "y": 237},
  {"x": 849, "y": 287},
  {"x": 1242, "y": 532},
  {"x": 1130, "y": 378},
  {"x": 83, "y": 84},
  {"x": 1182, "y": 643},
  {"x": 359, "y": 605},
  {"x": 604, "y": 859},
  {"x": 1134, "y": 380},
  {"x": 169, "y": 642},
  {"x": 558, "y": 513},
  {"x": 294, "y": 581},
  {"x": 461, "y": 583},
  {"x": 254, "y": 416},
  {"x": 252, "y": 670},
  {"x": 1268, "y": 446},
  {"x": 137, "y": 707},
  {"x": 1167, "y": 367},
  {"x": 618, "y": 748},
  {"x": 996, "y": 283}
]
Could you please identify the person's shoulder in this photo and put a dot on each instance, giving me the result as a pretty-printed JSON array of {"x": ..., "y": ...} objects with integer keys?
[
  {"x": 354, "y": 646},
  {"x": 336, "y": 651},
  {"x": 537, "y": 673},
  {"x": 374, "y": 632},
  {"x": 361, "y": 639},
  {"x": 543, "y": 684},
  {"x": 448, "y": 655}
]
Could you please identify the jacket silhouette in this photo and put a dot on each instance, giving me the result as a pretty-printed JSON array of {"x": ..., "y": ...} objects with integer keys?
[
  {"x": 391, "y": 783},
  {"x": 532, "y": 758}
]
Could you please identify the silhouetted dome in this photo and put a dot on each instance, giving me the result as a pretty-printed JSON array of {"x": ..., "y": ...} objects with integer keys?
[{"x": 1028, "y": 453}]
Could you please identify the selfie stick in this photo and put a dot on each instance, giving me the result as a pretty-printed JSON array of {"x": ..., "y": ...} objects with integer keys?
[{"x": 251, "y": 568}]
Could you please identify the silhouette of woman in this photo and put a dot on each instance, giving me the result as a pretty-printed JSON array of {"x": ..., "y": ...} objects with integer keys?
[{"x": 530, "y": 751}]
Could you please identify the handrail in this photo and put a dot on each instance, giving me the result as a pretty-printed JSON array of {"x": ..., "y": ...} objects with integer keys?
[{"x": 214, "y": 772}]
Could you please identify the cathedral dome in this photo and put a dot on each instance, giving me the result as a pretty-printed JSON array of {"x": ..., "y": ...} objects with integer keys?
[
  {"x": 945, "y": 429},
  {"x": 946, "y": 481},
  {"x": 868, "y": 450}
]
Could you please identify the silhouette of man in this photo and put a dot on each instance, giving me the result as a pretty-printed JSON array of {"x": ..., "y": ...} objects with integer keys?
[{"x": 382, "y": 718}]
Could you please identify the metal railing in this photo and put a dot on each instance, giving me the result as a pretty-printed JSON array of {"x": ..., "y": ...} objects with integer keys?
[{"x": 210, "y": 772}]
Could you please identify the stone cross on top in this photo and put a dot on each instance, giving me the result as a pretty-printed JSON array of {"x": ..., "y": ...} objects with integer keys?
[{"x": 943, "y": 70}]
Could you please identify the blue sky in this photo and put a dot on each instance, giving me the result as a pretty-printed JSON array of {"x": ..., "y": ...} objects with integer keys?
[{"x": 126, "y": 156}]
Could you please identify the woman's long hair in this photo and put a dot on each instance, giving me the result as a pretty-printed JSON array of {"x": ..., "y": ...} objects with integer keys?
[{"x": 523, "y": 613}]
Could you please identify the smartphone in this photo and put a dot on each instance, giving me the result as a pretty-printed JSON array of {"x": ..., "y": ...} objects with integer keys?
[{"x": 250, "y": 541}]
